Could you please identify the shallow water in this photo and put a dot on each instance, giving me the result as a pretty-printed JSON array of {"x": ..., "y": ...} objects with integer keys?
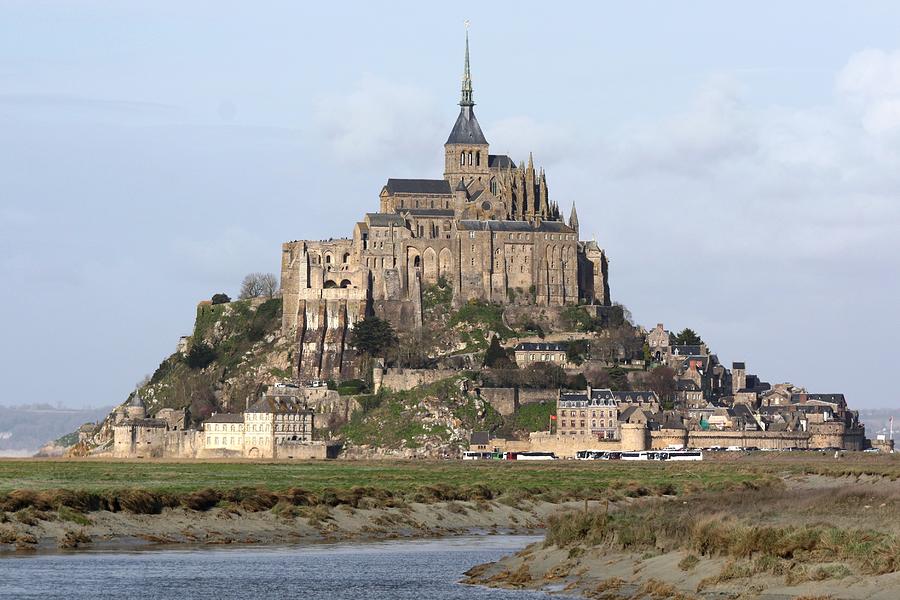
[{"x": 398, "y": 570}]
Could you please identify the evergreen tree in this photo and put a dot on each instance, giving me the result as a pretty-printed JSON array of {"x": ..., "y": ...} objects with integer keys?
[
  {"x": 687, "y": 337},
  {"x": 373, "y": 336},
  {"x": 496, "y": 356}
]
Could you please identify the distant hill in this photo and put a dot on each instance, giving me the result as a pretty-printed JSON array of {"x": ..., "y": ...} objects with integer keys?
[
  {"x": 25, "y": 428},
  {"x": 876, "y": 421}
]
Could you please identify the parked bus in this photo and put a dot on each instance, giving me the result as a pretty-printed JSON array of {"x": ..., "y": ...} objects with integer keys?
[
  {"x": 677, "y": 455},
  {"x": 590, "y": 455},
  {"x": 535, "y": 456},
  {"x": 477, "y": 455}
]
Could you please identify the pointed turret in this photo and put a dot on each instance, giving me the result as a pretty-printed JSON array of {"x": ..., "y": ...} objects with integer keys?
[
  {"x": 466, "y": 149},
  {"x": 542, "y": 192},
  {"x": 573, "y": 218}
]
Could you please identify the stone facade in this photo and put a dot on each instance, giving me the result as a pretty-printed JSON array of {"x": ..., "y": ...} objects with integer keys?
[
  {"x": 488, "y": 229},
  {"x": 528, "y": 353},
  {"x": 592, "y": 413},
  {"x": 280, "y": 425}
]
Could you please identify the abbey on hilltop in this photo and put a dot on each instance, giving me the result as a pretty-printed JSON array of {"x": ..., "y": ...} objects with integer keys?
[{"x": 488, "y": 229}]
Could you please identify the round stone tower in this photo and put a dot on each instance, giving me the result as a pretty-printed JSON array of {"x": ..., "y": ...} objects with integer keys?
[
  {"x": 635, "y": 437},
  {"x": 136, "y": 408}
]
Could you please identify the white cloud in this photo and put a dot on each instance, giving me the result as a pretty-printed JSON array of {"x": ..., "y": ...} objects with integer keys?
[
  {"x": 870, "y": 81},
  {"x": 551, "y": 143},
  {"x": 381, "y": 123}
]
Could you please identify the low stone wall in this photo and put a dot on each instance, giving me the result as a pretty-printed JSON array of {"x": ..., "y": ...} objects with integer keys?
[
  {"x": 535, "y": 396},
  {"x": 406, "y": 379}
]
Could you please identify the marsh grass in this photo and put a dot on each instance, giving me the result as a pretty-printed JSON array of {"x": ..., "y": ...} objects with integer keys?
[
  {"x": 724, "y": 524},
  {"x": 71, "y": 515}
]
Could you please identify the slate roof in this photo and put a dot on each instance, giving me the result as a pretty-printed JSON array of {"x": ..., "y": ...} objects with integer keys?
[
  {"x": 226, "y": 418},
  {"x": 418, "y": 186},
  {"x": 682, "y": 350},
  {"x": 500, "y": 161},
  {"x": 686, "y": 385},
  {"x": 738, "y": 365},
  {"x": 639, "y": 396},
  {"x": 544, "y": 227},
  {"x": 837, "y": 399},
  {"x": 545, "y": 346},
  {"x": 466, "y": 130},
  {"x": 427, "y": 212},
  {"x": 280, "y": 405},
  {"x": 384, "y": 220},
  {"x": 480, "y": 438}
]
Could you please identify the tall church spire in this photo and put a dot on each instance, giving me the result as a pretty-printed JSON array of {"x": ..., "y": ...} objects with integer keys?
[{"x": 466, "y": 96}]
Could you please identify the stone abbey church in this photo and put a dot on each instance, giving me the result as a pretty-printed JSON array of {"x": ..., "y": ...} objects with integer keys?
[{"x": 488, "y": 229}]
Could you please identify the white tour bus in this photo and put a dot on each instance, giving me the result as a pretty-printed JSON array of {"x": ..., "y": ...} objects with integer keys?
[
  {"x": 535, "y": 456},
  {"x": 664, "y": 455}
]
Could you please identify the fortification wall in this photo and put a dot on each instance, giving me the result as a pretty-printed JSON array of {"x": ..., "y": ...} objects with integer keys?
[
  {"x": 535, "y": 396},
  {"x": 321, "y": 335},
  {"x": 668, "y": 437},
  {"x": 759, "y": 439},
  {"x": 565, "y": 446},
  {"x": 307, "y": 451},
  {"x": 504, "y": 400},
  {"x": 406, "y": 379}
]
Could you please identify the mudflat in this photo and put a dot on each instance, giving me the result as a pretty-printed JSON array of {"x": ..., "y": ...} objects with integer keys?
[{"x": 828, "y": 535}]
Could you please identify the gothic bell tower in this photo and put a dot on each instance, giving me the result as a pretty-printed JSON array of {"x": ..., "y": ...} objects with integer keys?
[{"x": 466, "y": 150}]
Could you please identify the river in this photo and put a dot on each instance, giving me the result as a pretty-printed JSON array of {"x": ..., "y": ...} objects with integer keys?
[{"x": 395, "y": 570}]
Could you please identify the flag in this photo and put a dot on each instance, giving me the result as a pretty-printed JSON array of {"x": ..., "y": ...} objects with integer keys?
[{"x": 552, "y": 417}]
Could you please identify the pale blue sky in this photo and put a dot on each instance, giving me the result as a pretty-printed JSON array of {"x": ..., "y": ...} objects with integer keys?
[{"x": 739, "y": 164}]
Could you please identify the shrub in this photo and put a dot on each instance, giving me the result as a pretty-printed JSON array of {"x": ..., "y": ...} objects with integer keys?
[
  {"x": 200, "y": 356},
  {"x": 569, "y": 528},
  {"x": 220, "y": 298}
]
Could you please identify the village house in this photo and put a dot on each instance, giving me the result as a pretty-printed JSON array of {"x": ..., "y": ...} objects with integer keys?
[
  {"x": 592, "y": 412},
  {"x": 528, "y": 353}
]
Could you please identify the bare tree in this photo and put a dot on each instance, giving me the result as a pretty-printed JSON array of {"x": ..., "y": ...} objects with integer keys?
[{"x": 259, "y": 285}]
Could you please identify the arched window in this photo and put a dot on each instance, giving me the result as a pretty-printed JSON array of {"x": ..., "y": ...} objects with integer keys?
[
  {"x": 494, "y": 187},
  {"x": 462, "y": 158},
  {"x": 417, "y": 262},
  {"x": 470, "y": 158},
  {"x": 345, "y": 283},
  {"x": 327, "y": 259},
  {"x": 346, "y": 258},
  {"x": 328, "y": 286},
  {"x": 478, "y": 159}
]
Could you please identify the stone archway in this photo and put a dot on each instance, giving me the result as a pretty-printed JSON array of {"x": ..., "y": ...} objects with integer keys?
[
  {"x": 253, "y": 453},
  {"x": 430, "y": 266},
  {"x": 445, "y": 263}
]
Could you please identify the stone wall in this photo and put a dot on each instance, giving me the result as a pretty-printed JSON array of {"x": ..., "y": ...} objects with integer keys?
[
  {"x": 406, "y": 379},
  {"x": 535, "y": 396},
  {"x": 504, "y": 400}
]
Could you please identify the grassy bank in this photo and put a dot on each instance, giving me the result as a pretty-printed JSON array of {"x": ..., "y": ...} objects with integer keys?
[{"x": 398, "y": 476}]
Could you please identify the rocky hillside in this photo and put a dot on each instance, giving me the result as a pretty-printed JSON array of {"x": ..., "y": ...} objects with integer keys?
[
  {"x": 235, "y": 349},
  {"x": 431, "y": 421}
]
